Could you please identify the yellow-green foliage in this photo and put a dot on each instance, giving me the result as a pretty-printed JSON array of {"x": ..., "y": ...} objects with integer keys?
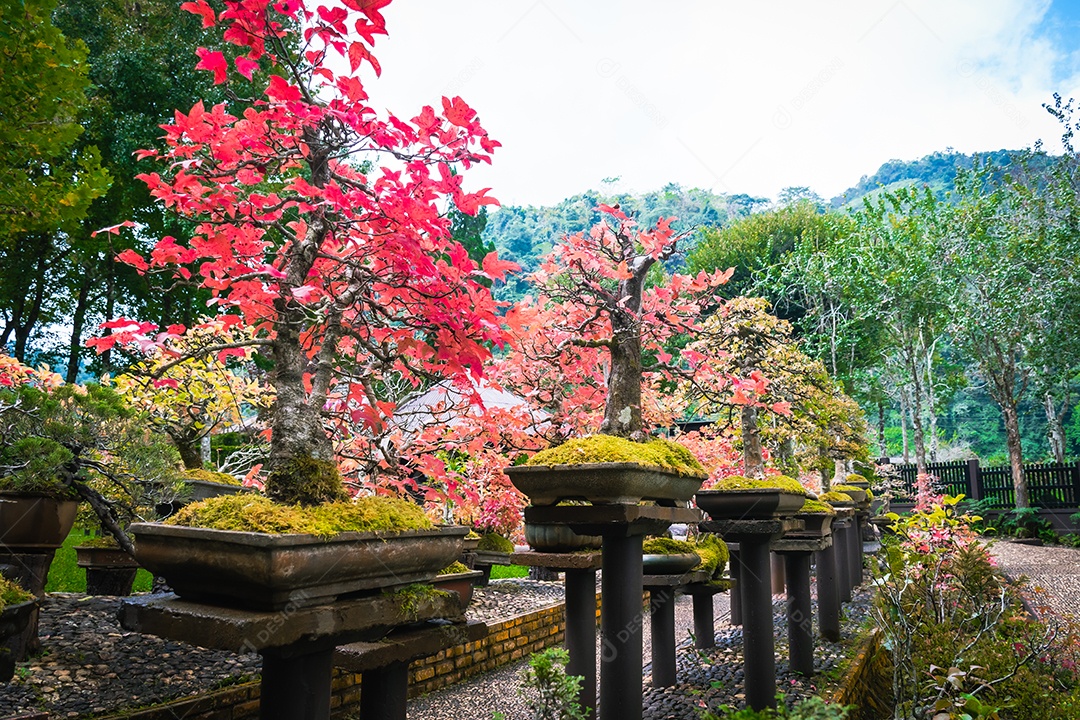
[
  {"x": 869, "y": 494},
  {"x": 856, "y": 478},
  {"x": 473, "y": 535},
  {"x": 304, "y": 480},
  {"x": 12, "y": 594},
  {"x": 850, "y": 490},
  {"x": 816, "y": 507},
  {"x": 775, "y": 482},
  {"x": 455, "y": 568},
  {"x": 833, "y": 496},
  {"x": 666, "y": 546},
  {"x": 105, "y": 542},
  {"x": 608, "y": 448},
  {"x": 714, "y": 555},
  {"x": 211, "y": 476},
  {"x": 255, "y": 513},
  {"x": 494, "y": 542},
  {"x": 711, "y": 549}
]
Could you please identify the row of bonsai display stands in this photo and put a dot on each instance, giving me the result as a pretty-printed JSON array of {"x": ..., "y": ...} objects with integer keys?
[
  {"x": 307, "y": 605},
  {"x": 753, "y": 523}
]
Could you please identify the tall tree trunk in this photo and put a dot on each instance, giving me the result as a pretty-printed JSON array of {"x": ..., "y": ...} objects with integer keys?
[
  {"x": 753, "y": 455},
  {"x": 77, "y": 321},
  {"x": 931, "y": 402},
  {"x": 916, "y": 413},
  {"x": 1055, "y": 429},
  {"x": 883, "y": 448},
  {"x": 1016, "y": 456},
  {"x": 903, "y": 425}
]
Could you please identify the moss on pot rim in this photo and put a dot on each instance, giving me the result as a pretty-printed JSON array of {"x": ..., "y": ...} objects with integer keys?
[
  {"x": 833, "y": 496},
  {"x": 210, "y": 476},
  {"x": 816, "y": 507},
  {"x": 610, "y": 449},
  {"x": 712, "y": 550},
  {"x": 776, "y": 482},
  {"x": 255, "y": 513},
  {"x": 494, "y": 542},
  {"x": 12, "y": 594}
]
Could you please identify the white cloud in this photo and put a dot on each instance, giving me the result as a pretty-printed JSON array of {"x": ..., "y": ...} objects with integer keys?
[{"x": 733, "y": 96}]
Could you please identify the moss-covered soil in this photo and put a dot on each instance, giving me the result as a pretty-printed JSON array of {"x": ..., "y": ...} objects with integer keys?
[{"x": 658, "y": 452}]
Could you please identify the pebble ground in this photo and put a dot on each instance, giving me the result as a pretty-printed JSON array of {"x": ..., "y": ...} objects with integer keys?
[{"x": 1053, "y": 573}]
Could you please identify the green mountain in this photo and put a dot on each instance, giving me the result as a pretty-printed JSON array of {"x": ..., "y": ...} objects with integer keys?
[
  {"x": 526, "y": 234},
  {"x": 937, "y": 170}
]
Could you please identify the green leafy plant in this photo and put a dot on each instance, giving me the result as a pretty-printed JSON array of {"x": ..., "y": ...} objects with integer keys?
[
  {"x": 555, "y": 694},
  {"x": 1025, "y": 523}
]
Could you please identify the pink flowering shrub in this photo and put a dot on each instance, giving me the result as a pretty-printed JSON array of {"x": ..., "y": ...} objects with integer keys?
[{"x": 953, "y": 623}]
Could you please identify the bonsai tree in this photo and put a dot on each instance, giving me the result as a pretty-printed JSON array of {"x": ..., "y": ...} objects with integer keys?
[
  {"x": 750, "y": 349},
  {"x": 190, "y": 400},
  {"x": 321, "y": 226},
  {"x": 594, "y": 296},
  {"x": 79, "y": 442}
]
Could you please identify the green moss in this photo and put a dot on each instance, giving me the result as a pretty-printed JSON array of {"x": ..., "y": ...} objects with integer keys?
[
  {"x": 211, "y": 476},
  {"x": 856, "y": 478},
  {"x": 473, "y": 535},
  {"x": 12, "y": 594},
  {"x": 775, "y": 482},
  {"x": 847, "y": 489},
  {"x": 833, "y": 496},
  {"x": 816, "y": 507},
  {"x": 455, "y": 568},
  {"x": 304, "y": 480},
  {"x": 608, "y": 448},
  {"x": 711, "y": 549},
  {"x": 411, "y": 597},
  {"x": 494, "y": 542},
  {"x": 714, "y": 555},
  {"x": 666, "y": 546},
  {"x": 255, "y": 513},
  {"x": 869, "y": 494},
  {"x": 105, "y": 542}
]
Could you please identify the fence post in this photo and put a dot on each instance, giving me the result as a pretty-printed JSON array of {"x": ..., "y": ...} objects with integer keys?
[
  {"x": 1076, "y": 483},
  {"x": 974, "y": 479}
]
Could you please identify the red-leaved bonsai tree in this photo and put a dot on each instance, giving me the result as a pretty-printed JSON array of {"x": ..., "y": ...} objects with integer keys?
[
  {"x": 321, "y": 223},
  {"x": 604, "y": 329}
]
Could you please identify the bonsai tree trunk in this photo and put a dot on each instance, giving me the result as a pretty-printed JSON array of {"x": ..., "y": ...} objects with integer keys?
[
  {"x": 622, "y": 414},
  {"x": 753, "y": 455},
  {"x": 190, "y": 452}
]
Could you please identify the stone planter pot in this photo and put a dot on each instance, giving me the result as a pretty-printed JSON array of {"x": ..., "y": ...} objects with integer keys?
[
  {"x": 273, "y": 572},
  {"x": 603, "y": 483},
  {"x": 675, "y": 564},
  {"x": 559, "y": 538},
  {"x": 35, "y": 522},
  {"x": 203, "y": 490},
  {"x": 859, "y": 495},
  {"x": 469, "y": 544},
  {"x": 816, "y": 525},
  {"x": 460, "y": 583},
  {"x": 757, "y": 504},
  {"x": 13, "y": 621},
  {"x": 109, "y": 571}
]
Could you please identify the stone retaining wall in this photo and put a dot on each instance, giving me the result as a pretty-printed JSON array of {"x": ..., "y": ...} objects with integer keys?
[
  {"x": 507, "y": 641},
  {"x": 867, "y": 684}
]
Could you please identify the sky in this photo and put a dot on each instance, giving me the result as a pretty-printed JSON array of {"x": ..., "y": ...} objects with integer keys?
[{"x": 733, "y": 97}]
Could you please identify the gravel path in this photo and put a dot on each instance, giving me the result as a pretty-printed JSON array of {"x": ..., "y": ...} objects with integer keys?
[
  {"x": 705, "y": 678},
  {"x": 90, "y": 665},
  {"x": 1053, "y": 572}
]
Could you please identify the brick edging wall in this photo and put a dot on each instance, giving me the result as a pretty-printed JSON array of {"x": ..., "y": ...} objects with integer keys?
[
  {"x": 867, "y": 683},
  {"x": 507, "y": 641}
]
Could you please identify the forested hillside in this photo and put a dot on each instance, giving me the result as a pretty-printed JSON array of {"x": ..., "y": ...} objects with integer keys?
[
  {"x": 526, "y": 234},
  {"x": 936, "y": 171}
]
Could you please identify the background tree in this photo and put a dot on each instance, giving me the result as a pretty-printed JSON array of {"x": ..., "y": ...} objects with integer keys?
[{"x": 47, "y": 181}]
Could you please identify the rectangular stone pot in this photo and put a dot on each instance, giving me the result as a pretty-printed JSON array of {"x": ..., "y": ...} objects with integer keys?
[
  {"x": 273, "y": 572},
  {"x": 756, "y": 504},
  {"x": 603, "y": 483},
  {"x": 35, "y": 521}
]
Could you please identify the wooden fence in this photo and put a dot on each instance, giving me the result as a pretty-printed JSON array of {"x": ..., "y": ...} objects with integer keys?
[{"x": 1049, "y": 485}]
